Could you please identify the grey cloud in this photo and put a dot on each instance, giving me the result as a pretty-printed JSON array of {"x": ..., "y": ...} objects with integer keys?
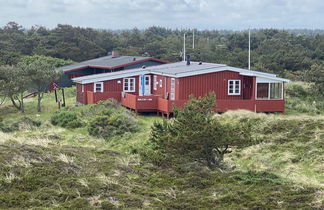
[{"x": 201, "y": 14}]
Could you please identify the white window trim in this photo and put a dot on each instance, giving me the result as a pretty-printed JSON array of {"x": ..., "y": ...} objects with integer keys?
[
  {"x": 101, "y": 89},
  {"x": 228, "y": 89},
  {"x": 155, "y": 82},
  {"x": 172, "y": 89},
  {"x": 82, "y": 88},
  {"x": 274, "y": 99},
  {"x": 129, "y": 78},
  {"x": 161, "y": 83}
]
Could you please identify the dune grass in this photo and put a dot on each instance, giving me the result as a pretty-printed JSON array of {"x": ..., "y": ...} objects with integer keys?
[{"x": 56, "y": 168}]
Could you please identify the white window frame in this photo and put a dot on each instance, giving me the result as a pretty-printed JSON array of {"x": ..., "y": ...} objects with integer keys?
[
  {"x": 161, "y": 83},
  {"x": 82, "y": 88},
  {"x": 172, "y": 89},
  {"x": 128, "y": 84},
  {"x": 234, "y": 85},
  {"x": 95, "y": 87},
  {"x": 154, "y": 82}
]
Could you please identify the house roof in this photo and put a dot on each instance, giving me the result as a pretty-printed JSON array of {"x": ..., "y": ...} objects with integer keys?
[
  {"x": 176, "y": 70},
  {"x": 109, "y": 62}
]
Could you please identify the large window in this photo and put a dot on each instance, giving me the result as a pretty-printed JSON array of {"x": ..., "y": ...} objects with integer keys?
[
  {"x": 129, "y": 85},
  {"x": 98, "y": 87},
  {"x": 269, "y": 90},
  {"x": 234, "y": 87}
]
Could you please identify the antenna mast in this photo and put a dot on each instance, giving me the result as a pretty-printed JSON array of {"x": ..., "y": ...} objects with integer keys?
[
  {"x": 193, "y": 39},
  {"x": 249, "y": 49},
  {"x": 184, "y": 47}
]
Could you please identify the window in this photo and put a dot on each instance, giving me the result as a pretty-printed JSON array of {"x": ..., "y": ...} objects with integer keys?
[
  {"x": 155, "y": 82},
  {"x": 160, "y": 83},
  {"x": 275, "y": 90},
  {"x": 172, "y": 95},
  {"x": 234, "y": 87},
  {"x": 269, "y": 91},
  {"x": 263, "y": 90},
  {"x": 82, "y": 88},
  {"x": 98, "y": 87},
  {"x": 129, "y": 85}
]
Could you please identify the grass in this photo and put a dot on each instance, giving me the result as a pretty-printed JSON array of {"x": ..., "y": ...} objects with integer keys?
[{"x": 56, "y": 168}]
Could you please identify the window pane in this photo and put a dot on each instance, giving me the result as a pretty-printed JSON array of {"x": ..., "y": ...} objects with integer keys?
[
  {"x": 275, "y": 90},
  {"x": 262, "y": 90}
]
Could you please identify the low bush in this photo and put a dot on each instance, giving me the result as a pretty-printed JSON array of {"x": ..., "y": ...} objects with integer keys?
[
  {"x": 24, "y": 123},
  {"x": 109, "y": 124},
  {"x": 66, "y": 119}
]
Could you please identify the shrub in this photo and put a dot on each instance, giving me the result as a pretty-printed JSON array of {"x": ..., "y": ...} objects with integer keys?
[
  {"x": 195, "y": 135},
  {"x": 24, "y": 123},
  {"x": 109, "y": 124},
  {"x": 66, "y": 119}
]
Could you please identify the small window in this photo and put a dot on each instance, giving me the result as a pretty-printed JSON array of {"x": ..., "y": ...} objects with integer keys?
[
  {"x": 98, "y": 87},
  {"x": 155, "y": 82},
  {"x": 160, "y": 83},
  {"x": 172, "y": 95},
  {"x": 129, "y": 85},
  {"x": 82, "y": 88},
  {"x": 234, "y": 87}
]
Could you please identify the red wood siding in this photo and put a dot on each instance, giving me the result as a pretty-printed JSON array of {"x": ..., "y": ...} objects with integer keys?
[
  {"x": 202, "y": 84},
  {"x": 82, "y": 96}
]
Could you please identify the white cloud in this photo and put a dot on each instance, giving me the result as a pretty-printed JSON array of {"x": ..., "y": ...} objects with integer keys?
[{"x": 201, "y": 14}]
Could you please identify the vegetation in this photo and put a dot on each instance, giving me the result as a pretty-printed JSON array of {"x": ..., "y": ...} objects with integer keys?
[
  {"x": 46, "y": 166},
  {"x": 303, "y": 98},
  {"x": 66, "y": 119},
  {"x": 287, "y": 53},
  {"x": 13, "y": 84},
  {"x": 194, "y": 135},
  {"x": 103, "y": 156}
]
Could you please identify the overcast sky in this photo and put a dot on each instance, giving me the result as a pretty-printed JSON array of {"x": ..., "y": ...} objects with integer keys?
[{"x": 200, "y": 14}]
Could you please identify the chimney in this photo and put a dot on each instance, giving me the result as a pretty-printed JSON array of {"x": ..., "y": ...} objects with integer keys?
[
  {"x": 115, "y": 54},
  {"x": 188, "y": 60}
]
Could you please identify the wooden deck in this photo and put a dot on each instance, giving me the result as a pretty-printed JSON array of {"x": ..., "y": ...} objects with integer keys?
[{"x": 158, "y": 104}]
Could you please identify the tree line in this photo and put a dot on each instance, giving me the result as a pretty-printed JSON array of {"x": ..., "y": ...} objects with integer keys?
[
  {"x": 297, "y": 55},
  {"x": 271, "y": 49}
]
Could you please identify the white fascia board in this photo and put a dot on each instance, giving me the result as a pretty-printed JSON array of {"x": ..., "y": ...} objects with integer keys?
[
  {"x": 108, "y": 77},
  {"x": 270, "y": 79},
  {"x": 247, "y": 72}
]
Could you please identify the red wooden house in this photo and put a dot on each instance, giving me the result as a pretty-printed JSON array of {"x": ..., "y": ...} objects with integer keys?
[{"x": 159, "y": 88}]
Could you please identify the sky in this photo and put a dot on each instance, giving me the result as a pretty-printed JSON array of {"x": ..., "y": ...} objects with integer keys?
[{"x": 181, "y": 14}]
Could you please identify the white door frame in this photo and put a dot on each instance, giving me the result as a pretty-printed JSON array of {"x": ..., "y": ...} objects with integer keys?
[{"x": 147, "y": 87}]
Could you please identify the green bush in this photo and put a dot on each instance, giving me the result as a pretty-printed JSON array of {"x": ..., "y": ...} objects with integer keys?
[
  {"x": 195, "y": 135},
  {"x": 109, "y": 124},
  {"x": 24, "y": 123},
  {"x": 66, "y": 119}
]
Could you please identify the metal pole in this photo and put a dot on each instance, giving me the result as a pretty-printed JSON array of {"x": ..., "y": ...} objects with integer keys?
[
  {"x": 193, "y": 39},
  {"x": 249, "y": 49},
  {"x": 184, "y": 47},
  {"x": 63, "y": 95}
]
